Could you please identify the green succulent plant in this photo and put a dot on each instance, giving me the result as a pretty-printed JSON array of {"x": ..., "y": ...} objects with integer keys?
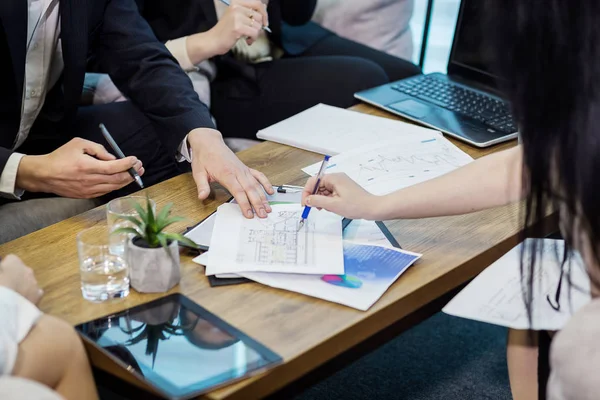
[{"x": 150, "y": 228}]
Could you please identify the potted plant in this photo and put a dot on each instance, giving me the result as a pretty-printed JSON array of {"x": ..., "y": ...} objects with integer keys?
[{"x": 153, "y": 254}]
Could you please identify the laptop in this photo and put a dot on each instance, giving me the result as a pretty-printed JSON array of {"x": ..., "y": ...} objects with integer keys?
[{"x": 466, "y": 102}]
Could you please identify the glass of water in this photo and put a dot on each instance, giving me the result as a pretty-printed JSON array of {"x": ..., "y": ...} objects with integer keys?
[
  {"x": 104, "y": 273},
  {"x": 124, "y": 206}
]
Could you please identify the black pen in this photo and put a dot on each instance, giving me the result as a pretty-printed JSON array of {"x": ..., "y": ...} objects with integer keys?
[{"x": 120, "y": 154}]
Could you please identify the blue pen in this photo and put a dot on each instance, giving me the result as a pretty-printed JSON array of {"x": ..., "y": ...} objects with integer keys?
[{"x": 319, "y": 177}]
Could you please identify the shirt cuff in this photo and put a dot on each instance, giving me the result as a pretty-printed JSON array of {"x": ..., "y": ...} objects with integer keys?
[
  {"x": 8, "y": 178},
  {"x": 19, "y": 315},
  {"x": 178, "y": 49},
  {"x": 184, "y": 151}
]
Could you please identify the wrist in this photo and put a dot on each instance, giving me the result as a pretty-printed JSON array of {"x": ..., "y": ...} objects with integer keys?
[
  {"x": 202, "y": 46},
  {"x": 383, "y": 209},
  {"x": 202, "y": 137},
  {"x": 30, "y": 173}
]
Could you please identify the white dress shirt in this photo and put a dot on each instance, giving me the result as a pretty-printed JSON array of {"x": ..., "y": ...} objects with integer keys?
[
  {"x": 43, "y": 66},
  {"x": 18, "y": 316}
]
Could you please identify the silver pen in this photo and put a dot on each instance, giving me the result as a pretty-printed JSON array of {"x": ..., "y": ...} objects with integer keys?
[
  {"x": 120, "y": 155},
  {"x": 266, "y": 28}
]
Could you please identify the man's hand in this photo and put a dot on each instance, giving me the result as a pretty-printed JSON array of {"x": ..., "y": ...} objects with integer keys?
[
  {"x": 79, "y": 169},
  {"x": 213, "y": 161},
  {"x": 17, "y": 276}
]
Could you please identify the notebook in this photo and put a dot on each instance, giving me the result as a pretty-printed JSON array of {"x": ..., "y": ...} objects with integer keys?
[{"x": 331, "y": 130}]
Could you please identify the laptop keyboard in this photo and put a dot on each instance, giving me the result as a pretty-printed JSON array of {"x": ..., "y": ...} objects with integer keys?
[{"x": 488, "y": 110}]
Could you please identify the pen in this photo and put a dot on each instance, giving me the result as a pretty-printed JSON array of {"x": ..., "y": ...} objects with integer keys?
[
  {"x": 120, "y": 154},
  {"x": 319, "y": 177},
  {"x": 289, "y": 188},
  {"x": 266, "y": 28}
]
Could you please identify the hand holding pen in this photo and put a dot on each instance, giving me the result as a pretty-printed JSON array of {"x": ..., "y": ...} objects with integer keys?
[
  {"x": 132, "y": 172},
  {"x": 261, "y": 18},
  {"x": 314, "y": 191}
]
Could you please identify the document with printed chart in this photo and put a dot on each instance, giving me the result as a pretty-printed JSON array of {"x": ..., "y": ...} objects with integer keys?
[
  {"x": 496, "y": 295},
  {"x": 369, "y": 271},
  {"x": 275, "y": 244},
  {"x": 385, "y": 167}
]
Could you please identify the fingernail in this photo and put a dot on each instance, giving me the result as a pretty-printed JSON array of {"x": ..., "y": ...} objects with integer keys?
[
  {"x": 249, "y": 213},
  {"x": 262, "y": 213},
  {"x": 308, "y": 201}
]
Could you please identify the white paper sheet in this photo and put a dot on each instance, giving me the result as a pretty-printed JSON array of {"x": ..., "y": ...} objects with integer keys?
[
  {"x": 274, "y": 244},
  {"x": 202, "y": 233},
  {"x": 370, "y": 271},
  {"x": 330, "y": 130},
  {"x": 495, "y": 296},
  {"x": 383, "y": 168},
  {"x": 359, "y": 231}
]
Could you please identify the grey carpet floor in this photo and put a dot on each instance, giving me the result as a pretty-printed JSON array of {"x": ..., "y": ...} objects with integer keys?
[{"x": 443, "y": 358}]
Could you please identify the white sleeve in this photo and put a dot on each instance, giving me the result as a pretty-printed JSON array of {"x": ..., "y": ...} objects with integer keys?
[
  {"x": 8, "y": 178},
  {"x": 178, "y": 49},
  {"x": 184, "y": 152},
  {"x": 18, "y": 316}
]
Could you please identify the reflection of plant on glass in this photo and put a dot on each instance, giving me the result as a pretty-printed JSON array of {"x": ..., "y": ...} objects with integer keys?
[{"x": 153, "y": 331}]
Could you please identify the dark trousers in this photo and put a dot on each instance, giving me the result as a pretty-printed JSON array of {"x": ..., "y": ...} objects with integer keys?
[
  {"x": 135, "y": 134},
  {"x": 329, "y": 72}
]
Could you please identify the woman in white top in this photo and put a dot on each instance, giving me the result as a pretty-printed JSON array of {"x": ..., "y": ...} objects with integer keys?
[{"x": 37, "y": 347}]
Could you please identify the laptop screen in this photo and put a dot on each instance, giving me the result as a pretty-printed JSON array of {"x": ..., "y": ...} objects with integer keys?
[{"x": 471, "y": 57}]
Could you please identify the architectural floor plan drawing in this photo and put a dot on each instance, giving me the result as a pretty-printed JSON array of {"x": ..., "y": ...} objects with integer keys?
[
  {"x": 274, "y": 244},
  {"x": 277, "y": 240}
]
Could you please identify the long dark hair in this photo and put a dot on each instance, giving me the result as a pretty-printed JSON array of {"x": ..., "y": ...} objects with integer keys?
[{"x": 549, "y": 53}]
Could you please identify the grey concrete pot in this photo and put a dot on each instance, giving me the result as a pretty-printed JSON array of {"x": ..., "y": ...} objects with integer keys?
[{"x": 153, "y": 270}]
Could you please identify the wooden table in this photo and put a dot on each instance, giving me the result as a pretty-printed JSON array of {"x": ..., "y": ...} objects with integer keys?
[{"x": 306, "y": 332}]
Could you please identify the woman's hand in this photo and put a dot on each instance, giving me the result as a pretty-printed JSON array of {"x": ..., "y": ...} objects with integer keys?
[
  {"x": 17, "y": 276},
  {"x": 243, "y": 18},
  {"x": 341, "y": 195}
]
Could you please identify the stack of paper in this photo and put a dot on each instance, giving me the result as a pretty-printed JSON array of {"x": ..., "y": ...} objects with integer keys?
[
  {"x": 331, "y": 130},
  {"x": 274, "y": 244},
  {"x": 369, "y": 264},
  {"x": 496, "y": 295},
  {"x": 384, "y": 167}
]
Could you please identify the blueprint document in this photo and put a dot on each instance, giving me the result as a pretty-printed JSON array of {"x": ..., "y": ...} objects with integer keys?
[
  {"x": 385, "y": 167},
  {"x": 496, "y": 295},
  {"x": 274, "y": 244}
]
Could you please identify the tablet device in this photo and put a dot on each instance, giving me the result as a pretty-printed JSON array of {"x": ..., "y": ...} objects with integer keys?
[{"x": 177, "y": 347}]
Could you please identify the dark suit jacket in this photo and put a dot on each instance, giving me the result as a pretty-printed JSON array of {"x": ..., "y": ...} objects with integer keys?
[
  {"x": 288, "y": 19},
  {"x": 123, "y": 44}
]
